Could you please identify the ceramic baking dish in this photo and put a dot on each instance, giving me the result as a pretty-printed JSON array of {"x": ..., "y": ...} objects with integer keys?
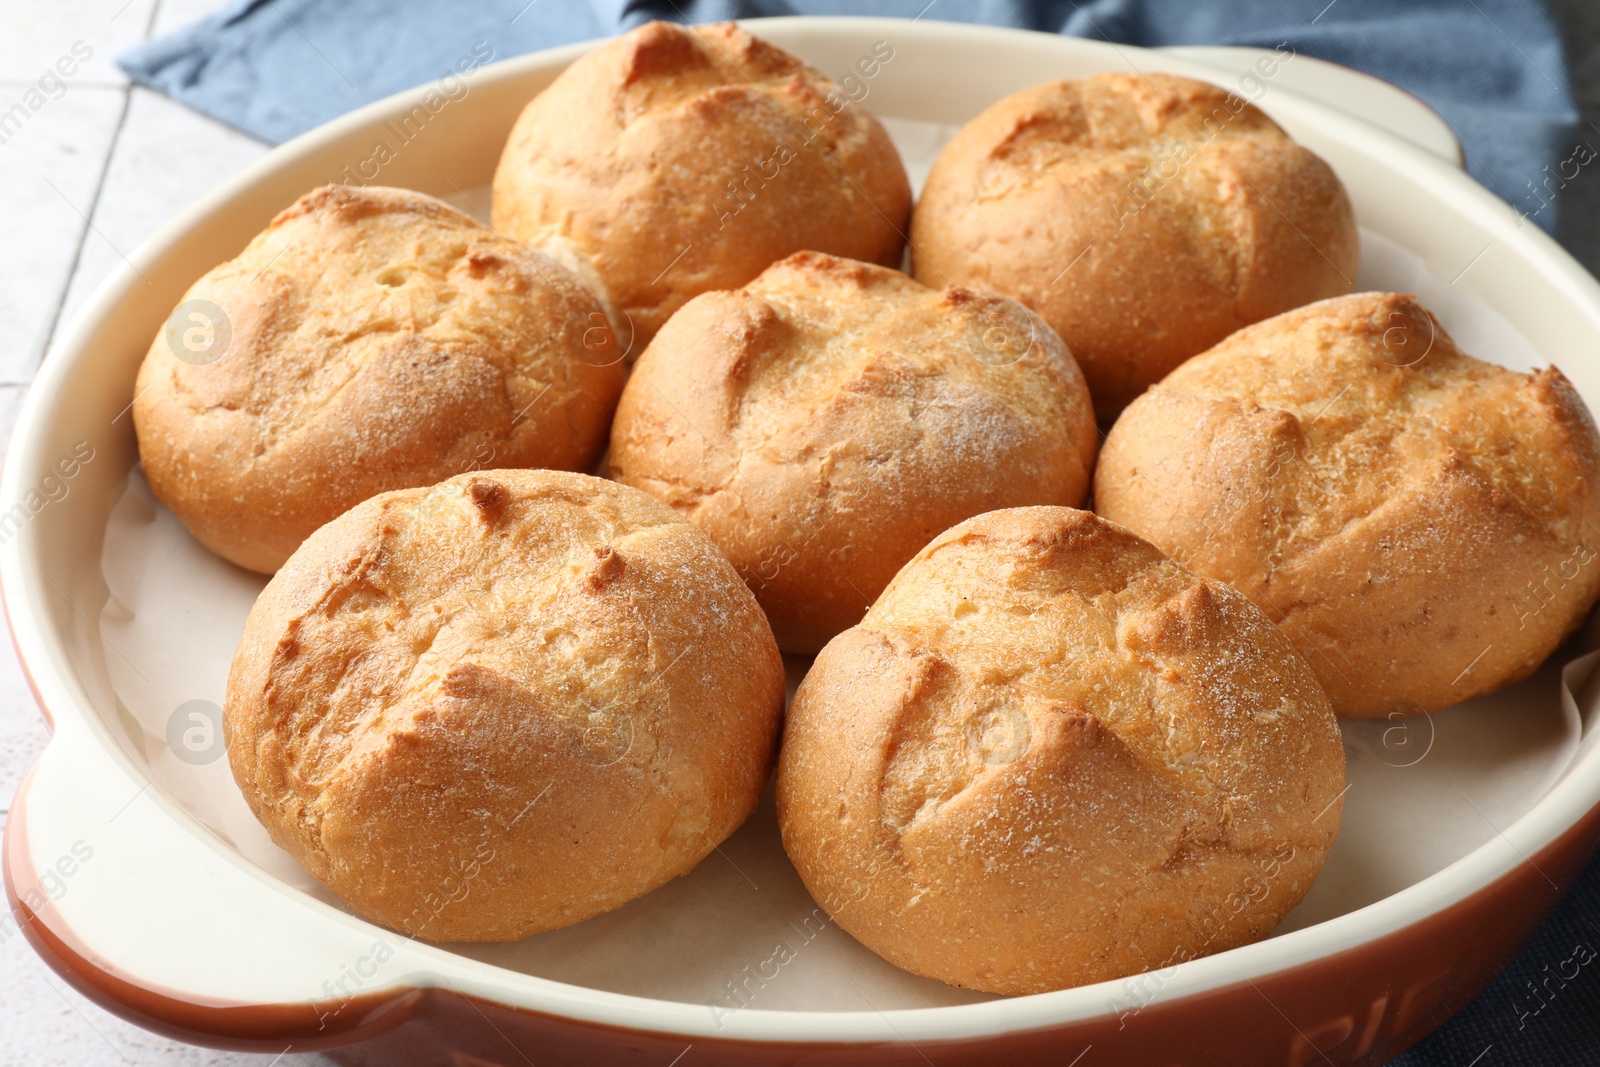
[{"x": 123, "y": 881}]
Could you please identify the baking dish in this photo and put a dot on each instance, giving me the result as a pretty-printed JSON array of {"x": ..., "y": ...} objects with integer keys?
[{"x": 120, "y": 879}]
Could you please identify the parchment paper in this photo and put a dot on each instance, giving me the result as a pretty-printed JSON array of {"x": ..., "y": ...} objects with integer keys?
[{"x": 1423, "y": 792}]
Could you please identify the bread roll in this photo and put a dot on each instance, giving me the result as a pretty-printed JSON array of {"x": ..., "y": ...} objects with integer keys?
[
  {"x": 825, "y": 421},
  {"x": 369, "y": 339},
  {"x": 503, "y": 704},
  {"x": 1146, "y": 217},
  {"x": 1421, "y": 524},
  {"x": 1050, "y": 756},
  {"x": 682, "y": 159}
]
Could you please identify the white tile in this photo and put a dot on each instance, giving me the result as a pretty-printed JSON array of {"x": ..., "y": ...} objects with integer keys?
[
  {"x": 50, "y": 168},
  {"x": 40, "y": 33},
  {"x": 166, "y": 157}
]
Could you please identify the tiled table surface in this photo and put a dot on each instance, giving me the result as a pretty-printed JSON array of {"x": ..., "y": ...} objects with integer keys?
[{"x": 88, "y": 177}]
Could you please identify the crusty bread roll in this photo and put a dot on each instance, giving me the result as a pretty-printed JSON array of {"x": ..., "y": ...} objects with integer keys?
[
  {"x": 1421, "y": 524},
  {"x": 369, "y": 339},
  {"x": 1050, "y": 756},
  {"x": 503, "y": 704},
  {"x": 677, "y": 160},
  {"x": 825, "y": 421},
  {"x": 1146, "y": 217}
]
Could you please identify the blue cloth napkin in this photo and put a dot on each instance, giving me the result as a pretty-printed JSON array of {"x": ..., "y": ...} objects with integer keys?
[{"x": 1493, "y": 68}]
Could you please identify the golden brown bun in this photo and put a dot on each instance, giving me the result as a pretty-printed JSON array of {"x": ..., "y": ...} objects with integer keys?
[
  {"x": 380, "y": 340},
  {"x": 1050, "y": 756},
  {"x": 503, "y": 704},
  {"x": 1146, "y": 217},
  {"x": 825, "y": 421},
  {"x": 680, "y": 160},
  {"x": 1421, "y": 524}
]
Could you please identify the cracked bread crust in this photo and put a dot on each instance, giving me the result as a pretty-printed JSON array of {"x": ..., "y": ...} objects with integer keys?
[
  {"x": 828, "y": 419},
  {"x": 1145, "y": 217},
  {"x": 1050, "y": 756},
  {"x": 503, "y": 704},
  {"x": 380, "y": 340},
  {"x": 679, "y": 160},
  {"x": 1420, "y": 523}
]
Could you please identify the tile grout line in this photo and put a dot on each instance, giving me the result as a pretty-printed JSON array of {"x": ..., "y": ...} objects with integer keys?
[{"x": 94, "y": 205}]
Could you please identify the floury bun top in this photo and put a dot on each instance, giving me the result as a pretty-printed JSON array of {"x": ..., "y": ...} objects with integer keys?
[
  {"x": 368, "y": 339},
  {"x": 676, "y": 160},
  {"x": 1145, "y": 218}
]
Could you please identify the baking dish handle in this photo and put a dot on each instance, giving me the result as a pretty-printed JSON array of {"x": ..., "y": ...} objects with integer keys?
[{"x": 139, "y": 911}]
